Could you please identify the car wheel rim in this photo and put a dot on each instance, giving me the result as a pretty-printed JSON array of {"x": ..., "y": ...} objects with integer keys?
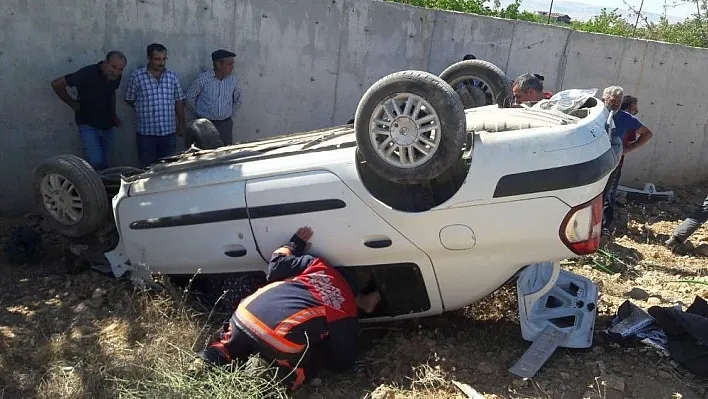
[
  {"x": 405, "y": 130},
  {"x": 474, "y": 83},
  {"x": 61, "y": 199}
]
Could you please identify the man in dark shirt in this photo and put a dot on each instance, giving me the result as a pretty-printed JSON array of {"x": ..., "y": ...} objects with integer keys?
[
  {"x": 308, "y": 310},
  {"x": 95, "y": 106}
]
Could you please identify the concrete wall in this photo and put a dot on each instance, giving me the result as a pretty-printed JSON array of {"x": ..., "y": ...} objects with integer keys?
[{"x": 303, "y": 64}]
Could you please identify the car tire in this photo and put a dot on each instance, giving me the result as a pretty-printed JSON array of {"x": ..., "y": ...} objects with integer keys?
[
  {"x": 493, "y": 77},
  {"x": 399, "y": 145},
  {"x": 70, "y": 195},
  {"x": 203, "y": 134}
]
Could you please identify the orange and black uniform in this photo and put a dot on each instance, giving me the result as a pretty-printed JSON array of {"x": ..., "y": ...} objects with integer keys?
[{"x": 307, "y": 307}]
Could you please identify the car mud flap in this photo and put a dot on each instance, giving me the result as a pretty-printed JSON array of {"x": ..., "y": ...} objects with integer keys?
[{"x": 556, "y": 308}]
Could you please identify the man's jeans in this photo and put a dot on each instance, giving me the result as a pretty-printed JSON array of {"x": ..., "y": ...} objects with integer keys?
[
  {"x": 692, "y": 223},
  {"x": 152, "y": 148},
  {"x": 97, "y": 143}
]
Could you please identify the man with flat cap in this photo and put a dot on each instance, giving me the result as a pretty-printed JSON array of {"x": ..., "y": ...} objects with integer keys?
[{"x": 215, "y": 94}]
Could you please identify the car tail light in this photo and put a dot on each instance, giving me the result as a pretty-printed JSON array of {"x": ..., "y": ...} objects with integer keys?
[{"x": 581, "y": 228}]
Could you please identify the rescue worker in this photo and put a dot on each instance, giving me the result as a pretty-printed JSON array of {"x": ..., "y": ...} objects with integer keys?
[{"x": 307, "y": 309}]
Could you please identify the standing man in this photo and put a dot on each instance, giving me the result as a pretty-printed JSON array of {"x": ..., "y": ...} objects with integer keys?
[
  {"x": 95, "y": 108},
  {"x": 156, "y": 94},
  {"x": 625, "y": 124},
  {"x": 215, "y": 95}
]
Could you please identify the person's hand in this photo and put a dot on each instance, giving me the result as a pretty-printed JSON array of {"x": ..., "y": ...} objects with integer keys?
[
  {"x": 304, "y": 233},
  {"x": 117, "y": 122}
]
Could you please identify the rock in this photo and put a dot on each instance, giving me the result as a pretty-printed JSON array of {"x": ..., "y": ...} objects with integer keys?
[
  {"x": 638, "y": 294},
  {"x": 316, "y": 383},
  {"x": 654, "y": 301},
  {"x": 520, "y": 383},
  {"x": 383, "y": 392},
  {"x": 67, "y": 285},
  {"x": 613, "y": 382},
  {"x": 80, "y": 307},
  {"x": 592, "y": 395},
  {"x": 315, "y": 395},
  {"x": 96, "y": 302},
  {"x": 598, "y": 350},
  {"x": 52, "y": 291},
  {"x": 663, "y": 374},
  {"x": 702, "y": 250},
  {"x": 485, "y": 368},
  {"x": 98, "y": 293},
  {"x": 565, "y": 375}
]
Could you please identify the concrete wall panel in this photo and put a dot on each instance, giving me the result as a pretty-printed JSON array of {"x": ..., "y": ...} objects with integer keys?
[
  {"x": 305, "y": 64},
  {"x": 539, "y": 49},
  {"x": 456, "y": 35},
  {"x": 378, "y": 39}
]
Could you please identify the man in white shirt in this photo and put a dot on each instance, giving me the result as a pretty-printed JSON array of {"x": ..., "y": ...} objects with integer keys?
[{"x": 215, "y": 94}]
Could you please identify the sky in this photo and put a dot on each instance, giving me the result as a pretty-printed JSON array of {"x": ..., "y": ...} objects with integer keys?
[{"x": 655, "y": 6}]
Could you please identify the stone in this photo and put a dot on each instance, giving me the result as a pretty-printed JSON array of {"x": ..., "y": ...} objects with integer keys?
[
  {"x": 653, "y": 301},
  {"x": 519, "y": 383},
  {"x": 96, "y": 303},
  {"x": 315, "y": 395},
  {"x": 592, "y": 395},
  {"x": 316, "y": 383},
  {"x": 80, "y": 307},
  {"x": 383, "y": 392},
  {"x": 565, "y": 375},
  {"x": 98, "y": 293},
  {"x": 485, "y": 368},
  {"x": 663, "y": 374},
  {"x": 638, "y": 294},
  {"x": 613, "y": 382},
  {"x": 702, "y": 250}
]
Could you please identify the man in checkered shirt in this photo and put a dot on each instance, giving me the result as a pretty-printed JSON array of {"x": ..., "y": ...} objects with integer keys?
[
  {"x": 215, "y": 94},
  {"x": 156, "y": 94}
]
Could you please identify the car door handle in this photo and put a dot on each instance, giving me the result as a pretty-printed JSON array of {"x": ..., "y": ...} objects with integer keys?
[
  {"x": 376, "y": 244},
  {"x": 236, "y": 253}
]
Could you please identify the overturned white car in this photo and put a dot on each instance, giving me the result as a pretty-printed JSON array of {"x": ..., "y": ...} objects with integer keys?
[{"x": 444, "y": 204}]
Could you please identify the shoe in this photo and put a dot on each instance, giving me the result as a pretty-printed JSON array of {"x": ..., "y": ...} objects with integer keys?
[{"x": 606, "y": 232}]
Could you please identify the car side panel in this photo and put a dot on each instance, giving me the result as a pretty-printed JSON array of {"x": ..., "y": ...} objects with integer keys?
[
  {"x": 182, "y": 231},
  {"x": 346, "y": 231}
]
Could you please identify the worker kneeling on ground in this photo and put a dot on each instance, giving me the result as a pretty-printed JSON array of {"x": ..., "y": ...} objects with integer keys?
[{"x": 308, "y": 309}]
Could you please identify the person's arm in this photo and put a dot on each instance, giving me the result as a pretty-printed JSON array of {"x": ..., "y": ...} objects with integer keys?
[
  {"x": 642, "y": 131},
  {"x": 74, "y": 79},
  {"x": 289, "y": 260},
  {"x": 116, "y": 119},
  {"x": 131, "y": 90},
  {"x": 236, "y": 98},
  {"x": 179, "y": 107},
  {"x": 193, "y": 93}
]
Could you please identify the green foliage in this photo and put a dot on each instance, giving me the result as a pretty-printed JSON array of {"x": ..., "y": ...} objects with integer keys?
[{"x": 691, "y": 32}]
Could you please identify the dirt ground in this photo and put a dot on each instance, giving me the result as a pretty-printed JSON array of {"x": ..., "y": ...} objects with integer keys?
[{"x": 88, "y": 335}]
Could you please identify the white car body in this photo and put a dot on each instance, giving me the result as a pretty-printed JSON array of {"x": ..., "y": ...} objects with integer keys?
[{"x": 225, "y": 211}]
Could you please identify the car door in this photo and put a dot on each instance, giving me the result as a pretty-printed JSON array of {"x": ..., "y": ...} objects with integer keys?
[
  {"x": 199, "y": 227},
  {"x": 346, "y": 231}
]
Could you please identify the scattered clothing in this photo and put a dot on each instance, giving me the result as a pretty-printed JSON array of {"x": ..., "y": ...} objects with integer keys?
[
  {"x": 687, "y": 334},
  {"x": 631, "y": 323}
]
